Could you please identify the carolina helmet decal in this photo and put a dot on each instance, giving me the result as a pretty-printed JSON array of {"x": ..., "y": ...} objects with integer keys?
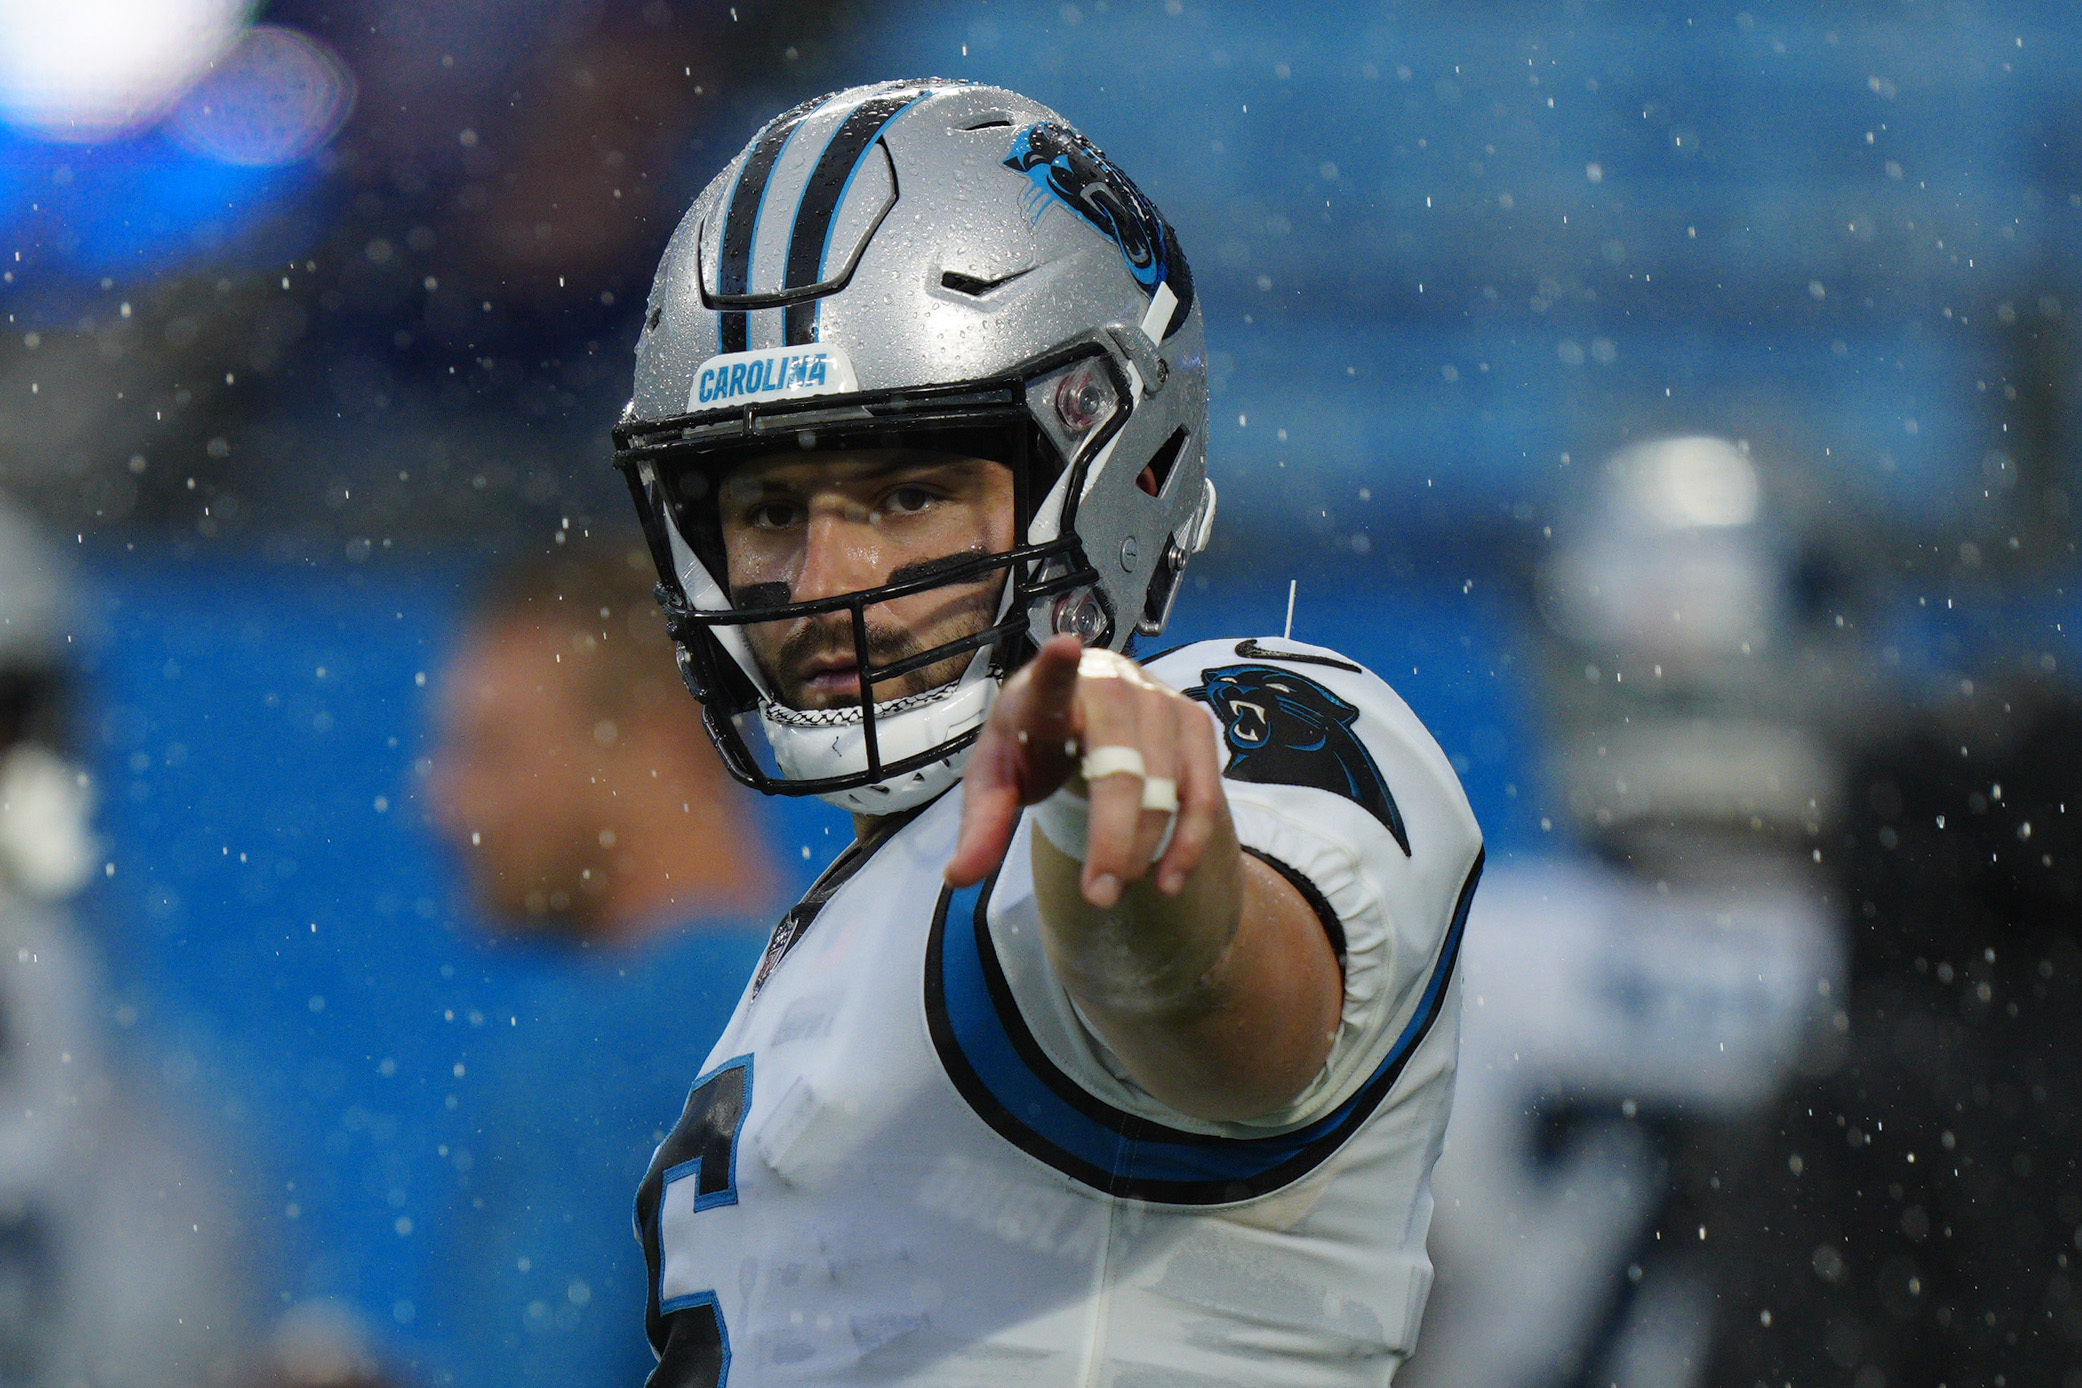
[
  {"x": 1285, "y": 729},
  {"x": 1067, "y": 168}
]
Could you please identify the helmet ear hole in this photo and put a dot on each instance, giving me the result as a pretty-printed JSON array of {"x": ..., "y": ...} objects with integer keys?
[{"x": 1161, "y": 463}]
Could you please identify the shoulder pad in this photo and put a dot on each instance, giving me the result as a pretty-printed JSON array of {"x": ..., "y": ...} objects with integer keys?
[{"x": 1296, "y": 715}]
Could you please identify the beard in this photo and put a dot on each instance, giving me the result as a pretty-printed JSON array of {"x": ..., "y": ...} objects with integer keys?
[{"x": 788, "y": 666}]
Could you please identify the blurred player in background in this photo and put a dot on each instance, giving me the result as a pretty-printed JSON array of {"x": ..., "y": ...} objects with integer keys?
[
  {"x": 602, "y": 838},
  {"x": 586, "y": 807},
  {"x": 320, "y": 1344},
  {"x": 119, "y": 1254},
  {"x": 1634, "y": 1007},
  {"x": 1122, "y": 1055}
]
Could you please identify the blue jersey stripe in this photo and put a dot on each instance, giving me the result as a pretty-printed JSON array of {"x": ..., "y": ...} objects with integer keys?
[{"x": 1002, "y": 1072}]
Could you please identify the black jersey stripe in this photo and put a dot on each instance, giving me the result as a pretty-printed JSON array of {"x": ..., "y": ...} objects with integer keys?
[
  {"x": 741, "y": 222},
  {"x": 821, "y": 198}
]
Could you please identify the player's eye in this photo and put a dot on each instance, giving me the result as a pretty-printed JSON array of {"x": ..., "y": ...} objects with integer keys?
[
  {"x": 909, "y": 498},
  {"x": 773, "y": 515}
]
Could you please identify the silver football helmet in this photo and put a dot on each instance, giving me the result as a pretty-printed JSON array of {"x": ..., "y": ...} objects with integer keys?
[{"x": 937, "y": 265}]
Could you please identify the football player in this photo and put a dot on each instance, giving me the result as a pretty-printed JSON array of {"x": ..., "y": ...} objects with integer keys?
[{"x": 1128, "y": 1062}]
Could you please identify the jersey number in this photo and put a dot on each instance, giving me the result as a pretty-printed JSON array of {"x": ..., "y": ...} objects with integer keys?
[{"x": 695, "y": 1169}]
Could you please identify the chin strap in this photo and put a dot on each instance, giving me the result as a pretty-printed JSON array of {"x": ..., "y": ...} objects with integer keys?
[{"x": 45, "y": 848}]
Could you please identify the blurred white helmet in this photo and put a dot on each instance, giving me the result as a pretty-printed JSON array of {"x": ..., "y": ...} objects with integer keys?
[{"x": 1696, "y": 698}]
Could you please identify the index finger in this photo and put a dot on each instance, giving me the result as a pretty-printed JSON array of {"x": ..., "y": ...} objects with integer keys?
[
  {"x": 1022, "y": 756},
  {"x": 1041, "y": 709}
]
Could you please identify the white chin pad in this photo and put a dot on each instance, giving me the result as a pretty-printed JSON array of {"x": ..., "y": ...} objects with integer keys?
[{"x": 811, "y": 746}]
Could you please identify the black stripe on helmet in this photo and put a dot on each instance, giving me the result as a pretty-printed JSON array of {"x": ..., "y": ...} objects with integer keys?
[
  {"x": 741, "y": 223},
  {"x": 821, "y": 198}
]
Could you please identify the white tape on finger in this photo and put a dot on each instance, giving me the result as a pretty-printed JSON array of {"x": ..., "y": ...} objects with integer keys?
[
  {"x": 1101, "y": 762},
  {"x": 1156, "y": 855},
  {"x": 1160, "y": 793}
]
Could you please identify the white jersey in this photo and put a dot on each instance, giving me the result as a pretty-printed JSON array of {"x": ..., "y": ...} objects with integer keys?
[
  {"x": 909, "y": 1161},
  {"x": 1596, "y": 995}
]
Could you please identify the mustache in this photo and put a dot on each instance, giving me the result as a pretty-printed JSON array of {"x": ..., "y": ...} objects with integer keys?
[
  {"x": 832, "y": 634},
  {"x": 820, "y": 637},
  {"x": 826, "y": 635}
]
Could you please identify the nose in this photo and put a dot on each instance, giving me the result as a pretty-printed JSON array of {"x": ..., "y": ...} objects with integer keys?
[{"x": 842, "y": 553}]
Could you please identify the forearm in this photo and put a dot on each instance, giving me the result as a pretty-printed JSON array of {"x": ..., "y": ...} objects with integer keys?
[
  {"x": 1204, "y": 970},
  {"x": 1215, "y": 999}
]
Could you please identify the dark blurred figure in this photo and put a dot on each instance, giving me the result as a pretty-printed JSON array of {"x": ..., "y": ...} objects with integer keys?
[
  {"x": 625, "y": 874},
  {"x": 417, "y": 335},
  {"x": 1915, "y": 1218},
  {"x": 1640, "y": 999}
]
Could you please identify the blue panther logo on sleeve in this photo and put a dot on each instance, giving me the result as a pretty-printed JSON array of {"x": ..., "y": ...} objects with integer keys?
[
  {"x": 1067, "y": 168},
  {"x": 1285, "y": 729}
]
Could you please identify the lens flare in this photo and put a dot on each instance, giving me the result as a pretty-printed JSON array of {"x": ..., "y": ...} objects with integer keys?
[
  {"x": 91, "y": 70},
  {"x": 274, "y": 98}
]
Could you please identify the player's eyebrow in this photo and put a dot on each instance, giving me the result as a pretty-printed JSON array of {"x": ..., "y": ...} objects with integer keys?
[
  {"x": 918, "y": 460},
  {"x": 764, "y": 486}
]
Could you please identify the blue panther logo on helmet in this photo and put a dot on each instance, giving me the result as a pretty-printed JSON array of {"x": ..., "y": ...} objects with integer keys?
[
  {"x": 1286, "y": 729},
  {"x": 1065, "y": 167}
]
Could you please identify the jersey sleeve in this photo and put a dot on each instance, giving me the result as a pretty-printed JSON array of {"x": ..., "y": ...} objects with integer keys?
[{"x": 1335, "y": 784}]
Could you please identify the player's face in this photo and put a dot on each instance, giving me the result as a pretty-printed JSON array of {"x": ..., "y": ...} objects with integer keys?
[
  {"x": 799, "y": 527},
  {"x": 517, "y": 776}
]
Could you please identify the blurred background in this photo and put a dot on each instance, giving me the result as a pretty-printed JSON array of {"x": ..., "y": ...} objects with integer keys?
[{"x": 1676, "y": 402}]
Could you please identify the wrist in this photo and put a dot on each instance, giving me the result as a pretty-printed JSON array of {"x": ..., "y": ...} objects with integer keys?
[{"x": 1148, "y": 955}]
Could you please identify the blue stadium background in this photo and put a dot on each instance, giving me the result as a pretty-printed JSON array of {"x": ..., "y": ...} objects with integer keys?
[{"x": 1451, "y": 257}]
